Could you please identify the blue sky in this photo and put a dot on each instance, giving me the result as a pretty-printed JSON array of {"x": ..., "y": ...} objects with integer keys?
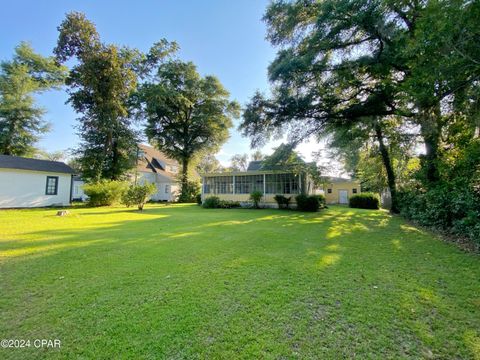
[{"x": 224, "y": 38}]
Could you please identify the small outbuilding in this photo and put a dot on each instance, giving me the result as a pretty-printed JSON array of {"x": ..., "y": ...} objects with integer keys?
[
  {"x": 28, "y": 182},
  {"x": 338, "y": 190}
]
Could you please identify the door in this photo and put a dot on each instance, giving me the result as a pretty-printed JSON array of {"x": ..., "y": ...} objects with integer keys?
[{"x": 343, "y": 196}]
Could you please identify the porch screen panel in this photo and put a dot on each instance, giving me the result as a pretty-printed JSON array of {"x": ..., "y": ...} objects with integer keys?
[
  {"x": 245, "y": 184},
  {"x": 281, "y": 184},
  {"x": 218, "y": 185}
]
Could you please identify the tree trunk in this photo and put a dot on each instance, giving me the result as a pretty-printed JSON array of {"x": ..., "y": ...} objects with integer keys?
[
  {"x": 185, "y": 163},
  {"x": 391, "y": 181},
  {"x": 114, "y": 175},
  {"x": 430, "y": 132}
]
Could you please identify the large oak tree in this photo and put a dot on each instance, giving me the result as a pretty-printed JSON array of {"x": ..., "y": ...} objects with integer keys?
[{"x": 186, "y": 114}]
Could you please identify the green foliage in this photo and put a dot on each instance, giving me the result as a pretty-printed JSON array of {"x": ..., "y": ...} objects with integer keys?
[
  {"x": 256, "y": 197},
  {"x": 187, "y": 114},
  {"x": 198, "y": 198},
  {"x": 214, "y": 202},
  {"x": 321, "y": 200},
  {"x": 309, "y": 203},
  {"x": 453, "y": 204},
  {"x": 207, "y": 163},
  {"x": 190, "y": 192},
  {"x": 105, "y": 192},
  {"x": 228, "y": 204},
  {"x": 364, "y": 200},
  {"x": 100, "y": 86},
  {"x": 283, "y": 202},
  {"x": 362, "y": 66},
  {"x": 211, "y": 202},
  {"x": 138, "y": 195},
  {"x": 21, "y": 121}
]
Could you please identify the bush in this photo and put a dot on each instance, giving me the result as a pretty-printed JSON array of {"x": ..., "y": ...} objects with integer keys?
[
  {"x": 256, "y": 197},
  {"x": 211, "y": 202},
  {"x": 198, "y": 197},
  {"x": 450, "y": 207},
  {"x": 321, "y": 200},
  {"x": 228, "y": 204},
  {"x": 190, "y": 194},
  {"x": 282, "y": 201},
  {"x": 214, "y": 202},
  {"x": 138, "y": 195},
  {"x": 365, "y": 201},
  {"x": 307, "y": 203},
  {"x": 105, "y": 192}
]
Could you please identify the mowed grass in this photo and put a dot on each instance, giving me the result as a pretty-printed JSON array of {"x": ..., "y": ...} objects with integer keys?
[{"x": 183, "y": 282}]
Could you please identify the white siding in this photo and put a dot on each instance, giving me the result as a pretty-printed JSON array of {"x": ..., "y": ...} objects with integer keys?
[
  {"x": 25, "y": 188},
  {"x": 167, "y": 190}
]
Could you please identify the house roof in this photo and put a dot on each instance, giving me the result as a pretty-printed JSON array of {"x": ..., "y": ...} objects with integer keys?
[
  {"x": 254, "y": 165},
  {"x": 334, "y": 179},
  {"x": 153, "y": 160},
  {"x": 21, "y": 163}
]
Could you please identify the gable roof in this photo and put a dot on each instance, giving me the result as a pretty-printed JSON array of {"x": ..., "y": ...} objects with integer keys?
[
  {"x": 153, "y": 160},
  {"x": 334, "y": 179},
  {"x": 254, "y": 165},
  {"x": 21, "y": 163}
]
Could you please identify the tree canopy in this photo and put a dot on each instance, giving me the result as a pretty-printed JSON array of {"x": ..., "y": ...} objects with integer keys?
[
  {"x": 348, "y": 65},
  {"x": 21, "y": 121},
  {"x": 100, "y": 86},
  {"x": 186, "y": 114}
]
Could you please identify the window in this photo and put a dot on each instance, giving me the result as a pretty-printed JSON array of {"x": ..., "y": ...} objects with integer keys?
[
  {"x": 354, "y": 190},
  {"x": 329, "y": 191},
  {"x": 282, "y": 184},
  {"x": 245, "y": 184},
  {"x": 167, "y": 189},
  {"x": 52, "y": 185},
  {"x": 218, "y": 185}
]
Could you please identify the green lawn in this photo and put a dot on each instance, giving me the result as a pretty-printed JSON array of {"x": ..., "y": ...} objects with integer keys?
[{"x": 184, "y": 282}]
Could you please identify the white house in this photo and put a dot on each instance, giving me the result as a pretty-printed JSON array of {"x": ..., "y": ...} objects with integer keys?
[
  {"x": 34, "y": 183},
  {"x": 155, "y": 167}
]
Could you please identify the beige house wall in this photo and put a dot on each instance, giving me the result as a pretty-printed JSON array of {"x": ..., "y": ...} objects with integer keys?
[
  {"x": 267, "y": 199},
  {"x": 334, "y": 197}
]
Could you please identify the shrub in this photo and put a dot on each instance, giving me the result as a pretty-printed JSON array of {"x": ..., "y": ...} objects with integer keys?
[
  {"x": 211, "y": 202},
  {"x": 365, "y": 201},
  {"x": 198, "y": 197},
  {"x": 321, "y": 200},
  {"x": 451, "y": 207},
  {"x": 228, "y": 204},
  {"x": 307, "y": 203},
  {"x": 190, "y": 194},
  {"x": 138, "y": 195},
  {"x": 256, "y": 197},
  {"x": 282, "y": 201},
  {"x": 105, "y": 192},
  {"x": 214, "y": 202}
]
